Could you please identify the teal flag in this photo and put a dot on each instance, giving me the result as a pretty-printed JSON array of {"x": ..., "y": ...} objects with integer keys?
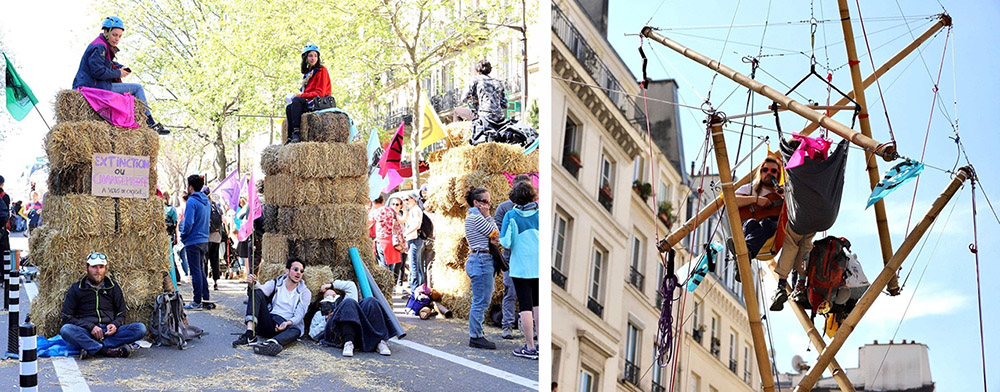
[
  {"x": 20, "y": 99},
  {"x": 898, "y": 175}
]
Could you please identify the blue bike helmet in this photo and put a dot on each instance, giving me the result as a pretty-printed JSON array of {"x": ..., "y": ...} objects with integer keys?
[
  {"x": 309, "y": 48},
  {"x": 113, "y": 22}
]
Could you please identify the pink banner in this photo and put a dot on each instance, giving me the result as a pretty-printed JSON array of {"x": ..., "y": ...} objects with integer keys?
[
  {"x": 393, "y": 153},
  {"x": 255, "y": 208},
  {"x": 394, "y": 180}
]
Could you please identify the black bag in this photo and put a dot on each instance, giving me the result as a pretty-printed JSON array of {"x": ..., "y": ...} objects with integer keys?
[
  {"x": 500, "y": 264},
  {"x": 426, "y": 229},
  {"x": 215, "y": 219},
  {"x": 327, "y": 102}
]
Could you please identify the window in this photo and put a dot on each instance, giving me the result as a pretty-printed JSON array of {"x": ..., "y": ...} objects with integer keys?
[
  {"x": 698, "y": 332},
  {"x": 596, "y": 278},
  {"x": 695, "y": 382},
  {"x": 556, "y": 356},
  {"x": 663, "y": 193},
  {"x": 746, "y": 363},
  {"x": 631, "y": 354},
  {"x": 635, "y": 275},
  {"x": 657, "y": 374},
  {"x": 732, "y": 352},
  {"x": 560, "y": 233},
  {"x": 637, "y": 166},
  {"x": 606, "y": 183},
  {"x": 588, "y": 381},
  {"x": 571, "y": 153},
  {"x": 660, "y": 271},
  {"x": 716, "y": 343}
]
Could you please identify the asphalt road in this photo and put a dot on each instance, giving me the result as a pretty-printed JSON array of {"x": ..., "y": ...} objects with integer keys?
[{"x": 434, "y": 356}]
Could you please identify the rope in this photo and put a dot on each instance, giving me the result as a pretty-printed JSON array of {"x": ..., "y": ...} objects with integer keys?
[
  {"x": 871, "y": 58},
  {"x": 665, "y": 333},
  {"x": 974, "y": 248}
]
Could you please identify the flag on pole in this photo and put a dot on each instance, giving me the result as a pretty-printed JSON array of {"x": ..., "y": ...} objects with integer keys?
[
  {"x": 431, "y": 129},
  {"x": 255, "y": 210},
  {"x": 375, "y": 181},
  {"x": 20, "y": 99},
  {"x": 393, "y": 179},
  {"x": 230, "y": 189},
  {"x": 393, "y": 153}
]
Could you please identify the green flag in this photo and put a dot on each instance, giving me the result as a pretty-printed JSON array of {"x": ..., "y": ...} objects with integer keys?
[{"x": 20, "y": 99}]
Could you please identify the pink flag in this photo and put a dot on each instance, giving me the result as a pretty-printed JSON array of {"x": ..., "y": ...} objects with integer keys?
[
  {"x": 255, "y": 210},
  {"x": 117, "y": 109},
  {"x": 394, "y": 180},
  {"x": 393, "y": 153},
  {"x": 533, "y": 175},
  {"x": 229, "y": 189}
]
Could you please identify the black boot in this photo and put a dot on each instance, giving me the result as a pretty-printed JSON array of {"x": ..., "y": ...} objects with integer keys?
[
  {"x": 295, "y": 137},
  {"x": 780, "y": 296}
]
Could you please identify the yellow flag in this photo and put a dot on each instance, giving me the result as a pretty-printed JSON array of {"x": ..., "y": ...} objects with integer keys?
[{"x": 431, "y": 129}]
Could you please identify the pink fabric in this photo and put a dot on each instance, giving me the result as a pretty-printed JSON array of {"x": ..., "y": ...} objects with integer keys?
[
  {"x": 812, "y": 148},
  {"x": 533, "y": 175},
  {"x": 117, "y": 109},
  {"x": 255, "y": 207}
]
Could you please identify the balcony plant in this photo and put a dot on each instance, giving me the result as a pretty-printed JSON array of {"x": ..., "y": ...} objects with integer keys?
[
  {"x": 644, "y": 189},
  {"x": 574, "y": 158},
  {"x": 606, "y": 191},
  {"x": 665, "y": 211}
]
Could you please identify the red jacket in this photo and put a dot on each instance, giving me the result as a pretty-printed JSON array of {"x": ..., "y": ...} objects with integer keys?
[{"x": 319, "y": 85}]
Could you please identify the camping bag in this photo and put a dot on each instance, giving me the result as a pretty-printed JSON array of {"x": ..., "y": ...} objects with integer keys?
[
  {"x": 426, "y": 229},
  {"x": 827, "y": 269},
  {"x": 327, "y": 102},
  {"x": 168, "y": 325},
  {"x": 814, "y": 189},
  {"x": 215, "y": 219}
]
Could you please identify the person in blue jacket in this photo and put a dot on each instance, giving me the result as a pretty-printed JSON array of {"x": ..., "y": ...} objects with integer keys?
[
  {"x": 194, "y": 235},
  {"x": 519, "y": 233},
  {"x": 98, "y": 68}
]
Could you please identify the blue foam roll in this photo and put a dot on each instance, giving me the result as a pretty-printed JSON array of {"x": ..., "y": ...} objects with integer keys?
[
  {"x": 359, "y": 270},
  {"x": 396, "y": 329}
]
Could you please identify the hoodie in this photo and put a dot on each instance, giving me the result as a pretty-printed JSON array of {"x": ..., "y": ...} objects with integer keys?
[
  {"x": 194, "y": 229},
  {"x": 519, "y": 233}
]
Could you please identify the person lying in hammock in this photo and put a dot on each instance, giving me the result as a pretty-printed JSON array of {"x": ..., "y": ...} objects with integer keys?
[{"x": 760, "y": 205}]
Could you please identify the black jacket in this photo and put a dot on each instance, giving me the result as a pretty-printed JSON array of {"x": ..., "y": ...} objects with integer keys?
[{"x": 86, "y": 306}]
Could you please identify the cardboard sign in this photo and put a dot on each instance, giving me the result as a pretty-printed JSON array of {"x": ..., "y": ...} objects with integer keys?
[{"x": 117, "y": 175}]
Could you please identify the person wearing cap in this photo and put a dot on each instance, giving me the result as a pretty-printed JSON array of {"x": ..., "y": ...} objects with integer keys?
[
  {"x": 93, "y": 314},
  {"x": 414, "y": 244},
  {"x": 315, "y": 83},
  {"x": 98, "y": 68}
]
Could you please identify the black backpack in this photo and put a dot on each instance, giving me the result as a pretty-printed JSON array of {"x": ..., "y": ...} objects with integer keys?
[
  {"x": 426, "y": 229},
  {"x": 4, "y": 211},
  {"x": 215, "y": 219},
  {"x": 168, "y": 325}
]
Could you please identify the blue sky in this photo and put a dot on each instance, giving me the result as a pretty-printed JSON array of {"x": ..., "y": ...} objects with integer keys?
[{"x": 943, "y": 313}]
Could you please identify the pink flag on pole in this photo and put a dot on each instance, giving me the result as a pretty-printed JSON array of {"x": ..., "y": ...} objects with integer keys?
[
  {"x": 394, "y": 180},
  {"x": 255, "y": 210},
  {"x": 229, "y": 189},
  {"x": 393, "y": 153}
]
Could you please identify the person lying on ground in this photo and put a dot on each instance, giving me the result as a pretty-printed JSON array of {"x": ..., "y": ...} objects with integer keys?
[
  {"x": 276, "y": 310},
  {"x": 350, "y": 323},
  {"x": 93, "y": 314},
  {"x": 98, "y": 68}
]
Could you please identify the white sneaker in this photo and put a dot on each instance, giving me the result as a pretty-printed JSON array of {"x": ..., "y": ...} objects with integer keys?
[
  {"x": 383, "y": 348},
  {"x": 349, "y": 349}
]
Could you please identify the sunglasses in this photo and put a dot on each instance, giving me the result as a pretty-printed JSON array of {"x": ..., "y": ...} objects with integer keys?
[
  {"x": 97, "y": 255},
  {"x": 297, "y": 269},
  {"x": 484, "y": 201},
  {"x": 765, "y": 170}
]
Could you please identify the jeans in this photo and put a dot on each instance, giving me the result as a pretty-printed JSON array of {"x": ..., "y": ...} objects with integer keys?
[
  {"x": 757, "y": 233},
  {"x": 199, "y": 283},
  {"x": 416, "y": 268},
  {"x": 509, "y": 296},
  {"x": 264, "y": 325},
  {"x": 480, "y": 271},
  {"x": 293, "y": 113},
  {"x": 136, "y": 90},
  {"x": 184, "y": 261},
  {"x": 79, "y": 337},
  {"x": 380, "y": 256}
]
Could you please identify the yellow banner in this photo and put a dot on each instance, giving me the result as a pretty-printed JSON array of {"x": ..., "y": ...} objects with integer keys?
[{"x": 431, "y": 129}]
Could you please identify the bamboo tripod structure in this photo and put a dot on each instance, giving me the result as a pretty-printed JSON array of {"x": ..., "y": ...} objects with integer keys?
[{"x": 862, "y": 139}]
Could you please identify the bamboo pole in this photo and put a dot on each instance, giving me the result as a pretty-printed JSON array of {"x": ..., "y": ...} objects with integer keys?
[
  {"x": 707, "y": 211},
  {"x": 944, "y": 21},
  {"x": 887, "y": 152},
  {"x": 881, "y": 222},
  {"x": 781, "y": 109},
  {"x": 839, "y": 375},
  {"x": 746, "y": 275},
  {"x": 879, "y": 283}
]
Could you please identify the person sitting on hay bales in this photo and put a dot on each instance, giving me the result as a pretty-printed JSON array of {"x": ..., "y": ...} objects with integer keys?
[
  {"x": 509, "y": 295},
  {"x": 93, "y": 314},
  {"x": 315, "y": 83},
  {"x": 194, "y": 235},
  {"x": 350, "y": 323},
  {"x": 519, "y": 233},
  {"x": 488, "y": 98},
  {"x": 276, "y": 310},
  {"x": 98, "y": 68},
  {"x": 480, "y": 231}
]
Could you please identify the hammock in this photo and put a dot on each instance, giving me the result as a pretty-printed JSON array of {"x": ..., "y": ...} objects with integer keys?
[{"x": 814, "y": 188}]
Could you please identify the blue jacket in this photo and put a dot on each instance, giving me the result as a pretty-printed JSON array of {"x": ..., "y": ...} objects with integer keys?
[
  {"x": 194, "y": 229},
  {"x": 520, "y": 235},
  {"x": 96, "y": 67}
]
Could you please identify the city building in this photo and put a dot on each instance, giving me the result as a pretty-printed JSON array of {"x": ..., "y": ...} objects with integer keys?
[{"x": 892, "y": 367}]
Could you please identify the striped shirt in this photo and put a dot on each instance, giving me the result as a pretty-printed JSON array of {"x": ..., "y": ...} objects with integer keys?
[{"x": 479, "y": 229}]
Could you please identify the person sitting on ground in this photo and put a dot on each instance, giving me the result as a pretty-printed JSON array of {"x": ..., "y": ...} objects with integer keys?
[
  {"x": 98, "y": 68},
  {"x": 93, "y": 314},
  {"x": 315, "y": 83},
  {"x": 509, "y": 295},
  {"x": 489, "y": 100},
  {"x": 276, "y": 310},
  {"x": 519, "y": 233},
  {"x": 351, "y": 323}
]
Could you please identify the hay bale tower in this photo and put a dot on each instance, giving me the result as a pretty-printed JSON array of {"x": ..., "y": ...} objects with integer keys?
[
  {"x": 130, "y": 231},
  {"x": 455, "y": 171},
  {"x": 316, "y": 193}
]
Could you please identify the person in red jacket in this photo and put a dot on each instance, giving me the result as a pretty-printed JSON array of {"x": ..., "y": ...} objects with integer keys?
[{"x": 315, "y": 83}]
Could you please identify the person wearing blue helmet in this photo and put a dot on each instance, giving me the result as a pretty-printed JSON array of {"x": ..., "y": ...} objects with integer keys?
[
  {"x": 315, "y": 83},
  {"x": 98, "y": 68}
]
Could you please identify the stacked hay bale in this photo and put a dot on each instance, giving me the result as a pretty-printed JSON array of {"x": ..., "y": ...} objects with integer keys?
[
  {"x": 130, "y": 231},
  {"x": 316, "y": 194},
  {"x": 457, "y": 170}
]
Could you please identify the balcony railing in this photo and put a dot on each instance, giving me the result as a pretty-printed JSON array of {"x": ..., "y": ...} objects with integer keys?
[
  {"x": 656, "y": 387},
  {"x": 447, "y": 100},
  {"x": 604, "y": 197},
  {"x": 595, "y": 307},
  {"x": 584, "y": 53},
  {"x": 697, "y": 334},
  {"x": 732, "y": 365},
  {"x": 631, "y": 373},
  {"x": 392, "y": 120},
  {"x": 558, "y": 278},
  {"x": 716, "y": 343},
  {"x": 635, "y": 278}
]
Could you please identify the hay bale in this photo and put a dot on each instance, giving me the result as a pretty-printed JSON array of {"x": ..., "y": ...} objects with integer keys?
[
  {"x": 142, "y": 142},
  {"x": 365, "y": 249},
  {"x": 74, "y": 143},
  {"x": 269, "y": 159},
  {"x": 326, "y": 127},
  {"x": 70, "y": 180},
  {"x": 323, "y": 221},
  {"x": 143, "y": 217},
  {"x": 275, "y": 247},
  {"x": 492, "y": 158},
  {"x": 270, "y": 214},
  {"x": 284, "y": 130},
  {"x": 458, "y": 133},
  {"x": 313, "y": 251},
  {"x": 450, "y": 245},
  {"x": 72, "y": 106},
  {"x": 78, "y": 215},
  {"x": 286, "y": 190},
  {"x": 312, "y": 159}
]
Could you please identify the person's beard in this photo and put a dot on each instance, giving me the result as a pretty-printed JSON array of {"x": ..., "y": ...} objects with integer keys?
[{"x": 99, "y": 277}]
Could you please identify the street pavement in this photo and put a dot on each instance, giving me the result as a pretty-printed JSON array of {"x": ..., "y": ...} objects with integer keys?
[{"x": 434, "y": 356}]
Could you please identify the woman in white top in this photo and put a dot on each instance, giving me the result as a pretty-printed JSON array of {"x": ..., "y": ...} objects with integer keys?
[{"x": 414, "y": 217}]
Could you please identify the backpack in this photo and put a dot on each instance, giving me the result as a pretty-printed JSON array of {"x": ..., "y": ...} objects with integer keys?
[
  {"x": 4, "y": 211},
  {"x": 168, "y": 324},
  {"x": 426, "y": 229},
  {"x": 827, "y": 271},
  {"x": 215, "y": 219}
]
